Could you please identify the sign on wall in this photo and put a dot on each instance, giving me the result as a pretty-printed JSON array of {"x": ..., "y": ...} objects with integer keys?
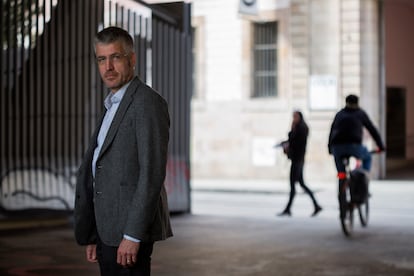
[
  {"x": 248, "y": 7},
  {"x": 323, "y": 92},
  {"x": 263, "y": 152}
]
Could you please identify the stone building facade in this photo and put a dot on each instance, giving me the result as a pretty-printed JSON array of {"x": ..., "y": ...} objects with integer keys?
[{"x": 253, "y": 69}]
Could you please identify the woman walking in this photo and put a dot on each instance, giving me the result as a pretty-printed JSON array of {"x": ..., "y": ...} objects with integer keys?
[{"x": 295, "y": 149}]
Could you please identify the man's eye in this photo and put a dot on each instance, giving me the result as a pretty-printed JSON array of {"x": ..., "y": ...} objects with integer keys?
[
  {"x": 101, "y": 59},
  {"x": 116, "y": 57}
]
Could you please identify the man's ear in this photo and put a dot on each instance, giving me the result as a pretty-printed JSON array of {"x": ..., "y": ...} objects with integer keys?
[{"x": 133, "y": 59}]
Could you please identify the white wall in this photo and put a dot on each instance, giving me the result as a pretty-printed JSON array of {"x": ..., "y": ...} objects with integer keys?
[
  {"x": 227, "y": 125},
  {"x": 222, "y": 48}
]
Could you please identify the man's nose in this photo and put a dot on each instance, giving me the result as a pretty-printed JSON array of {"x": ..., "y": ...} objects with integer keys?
[{"x": 109, "y": 64}]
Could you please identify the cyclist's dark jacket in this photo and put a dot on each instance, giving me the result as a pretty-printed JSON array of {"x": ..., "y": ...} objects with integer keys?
[
  {"x": 348, "y": 125},
  {"x": 297, "y": 141}
]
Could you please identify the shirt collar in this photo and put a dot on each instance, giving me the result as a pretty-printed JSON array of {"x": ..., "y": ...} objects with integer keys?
[{"x": 113, "y": 98}]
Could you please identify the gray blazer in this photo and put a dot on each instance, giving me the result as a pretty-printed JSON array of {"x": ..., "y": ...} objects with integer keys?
[{"x": 127, "y": 195}]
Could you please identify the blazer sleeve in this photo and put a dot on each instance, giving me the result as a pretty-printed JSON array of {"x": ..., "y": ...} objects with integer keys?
[{"x": 152, "y": 135}]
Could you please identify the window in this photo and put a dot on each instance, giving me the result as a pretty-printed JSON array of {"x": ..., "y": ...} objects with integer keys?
[{"x": 264, "y": 73}]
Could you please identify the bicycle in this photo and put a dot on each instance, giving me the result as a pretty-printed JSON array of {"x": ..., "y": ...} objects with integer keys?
[{"x": 356, "y": 191}]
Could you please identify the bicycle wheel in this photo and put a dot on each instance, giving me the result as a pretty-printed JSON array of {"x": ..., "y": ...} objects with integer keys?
[
  {"x": 363, "y": 210},
  {"x": 347, "y": 211}
]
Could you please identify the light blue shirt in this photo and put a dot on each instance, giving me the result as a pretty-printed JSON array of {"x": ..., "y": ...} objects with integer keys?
[{"x": 111, "y": 103}]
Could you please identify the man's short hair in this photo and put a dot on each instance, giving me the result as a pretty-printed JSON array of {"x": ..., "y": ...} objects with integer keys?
[
  {"x": 351, "y": 100},
  {"x": 113, "y": 34}
]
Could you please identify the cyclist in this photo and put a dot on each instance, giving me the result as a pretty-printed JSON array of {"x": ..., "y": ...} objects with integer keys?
[{"x": 345, "y": 138}]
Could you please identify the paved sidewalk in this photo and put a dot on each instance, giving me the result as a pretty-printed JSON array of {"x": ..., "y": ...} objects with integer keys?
[
  {"x": 261, "y": 186},
  {"x": 282, "y": 186},
  {"x": 233, "y": 232}
]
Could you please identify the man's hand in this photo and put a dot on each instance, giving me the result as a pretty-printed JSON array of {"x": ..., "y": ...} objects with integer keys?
[
  {"x": 91, "y": 253},
  {"x": 127, "y": 253}
]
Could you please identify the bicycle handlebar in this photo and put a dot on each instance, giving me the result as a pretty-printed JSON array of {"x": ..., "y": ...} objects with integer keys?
[{"x": 376, "y": 151}]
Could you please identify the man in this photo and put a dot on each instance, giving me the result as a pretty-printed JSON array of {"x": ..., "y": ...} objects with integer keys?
[
  {"x": 345, "y": 138},
  {"x": 121, "y": 203},
  {"x": 295, "y": 148}
]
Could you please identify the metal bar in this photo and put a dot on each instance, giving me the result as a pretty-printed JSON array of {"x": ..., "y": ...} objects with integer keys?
[
  {"x": 9, "y": 136},
  {"x": 2, "y": 108},
  {"x": 37, "y": 102},
  {"x": 92, "y": 72},
  {"x": 177, "y": 63},
  {"x": 54, "y": 113},
  {"x": 169, "y": 92},
  {"x": 110, "y": 13},
  {"x": 42, "y": 91},
  {"x": 182, "y": 126},
  {"x": 79, "y": 72},
  {"x": 116, "y": 15},
  {"x": 143, "y": 48},
  {"x": 83, "y": 76},
  {"x": 23, "y": 100},
  {"x": 73, "y": 117},
  {"x": 120, "y": 16},
  {"x": 60, "y": 106},
  {"x": 100, "y": 91},
  {"x": 160, "y": 13},
  {"x": 65, "y": 104},
  {"x": 159, "y": 56},
  {"x": 165, "y": 60},
  {"x": 136, "y": 37},
  {"x": 49, "y": 79},
  {"x": 30, "y": 98},
  {"x": 187, "y": 72},
  {"x": 17, "y": 129},
  {"x": 89, "y": 54}
]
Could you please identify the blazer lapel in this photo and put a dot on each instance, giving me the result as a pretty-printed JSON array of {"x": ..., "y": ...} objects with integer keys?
[
  {"x": 119, "y": 115},
  {"x": 93, "y": 142}
]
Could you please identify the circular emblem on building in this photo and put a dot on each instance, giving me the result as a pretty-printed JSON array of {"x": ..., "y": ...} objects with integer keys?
[{"x": 249, "y": 2}]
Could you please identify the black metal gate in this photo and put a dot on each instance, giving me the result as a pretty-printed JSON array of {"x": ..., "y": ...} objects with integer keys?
[{"x": 52, "y": 95}]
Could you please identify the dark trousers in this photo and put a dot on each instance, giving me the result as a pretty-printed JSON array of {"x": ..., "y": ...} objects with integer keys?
[
  {"x": 296, "y": 175},
  {"x": 356, "y": 150},
  {"x": 109, "y": 267}
]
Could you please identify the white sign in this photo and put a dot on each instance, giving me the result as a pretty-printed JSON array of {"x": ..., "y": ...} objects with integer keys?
[
  {"x": 248, "y": 7},
  {"x": 263, "y": 152},
  {"x": 323, "y": 92}
]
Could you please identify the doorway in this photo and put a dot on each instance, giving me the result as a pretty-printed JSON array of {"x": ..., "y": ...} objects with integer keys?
[
  {"x": 398, "y": 87},
  {"x": 396, "y": 122}
]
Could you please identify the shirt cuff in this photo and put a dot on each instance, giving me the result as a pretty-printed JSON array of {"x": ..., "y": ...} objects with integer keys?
[{"x": 131, "y": 238}]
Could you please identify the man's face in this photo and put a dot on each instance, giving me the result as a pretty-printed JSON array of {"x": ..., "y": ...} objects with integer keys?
[{"x": 115, "y": 64}]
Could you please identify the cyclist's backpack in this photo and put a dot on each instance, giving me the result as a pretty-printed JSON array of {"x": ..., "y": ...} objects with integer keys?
[{"x": 359, "y": 186}]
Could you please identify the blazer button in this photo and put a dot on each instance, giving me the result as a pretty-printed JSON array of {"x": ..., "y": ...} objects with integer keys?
[
  {"x": 98, "y": 193},
  {"x": 99, "y": 167}
]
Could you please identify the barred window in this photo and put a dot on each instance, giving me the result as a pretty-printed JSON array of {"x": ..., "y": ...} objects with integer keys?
[{"x": 264, "y": 73}]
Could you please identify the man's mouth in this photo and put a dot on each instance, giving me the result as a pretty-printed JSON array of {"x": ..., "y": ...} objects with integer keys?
[{"x": 110, "y": 76}]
